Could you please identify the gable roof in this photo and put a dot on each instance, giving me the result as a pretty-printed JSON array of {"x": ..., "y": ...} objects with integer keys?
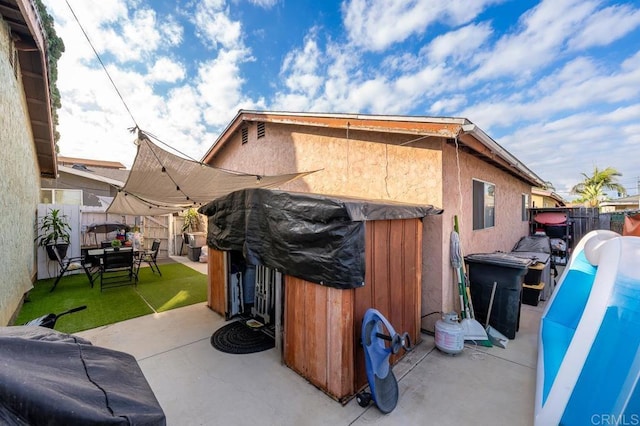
[
  {"x": 468, "y": 136},
  {"x": 28, "y": 36},
  {"x": 546, "y": 193},
  {"x": 96, "y": 175},
  {"x": 71, "y": 161}
]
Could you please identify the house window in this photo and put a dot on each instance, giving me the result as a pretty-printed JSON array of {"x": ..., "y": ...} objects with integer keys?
[
  {"x": 484, "y": 205},
  {"x": 61, "y": 196},
  {"x": 260, "y": 130},
  {"x": 525, "y": 207},
  {"x": 245, "y": 135}
]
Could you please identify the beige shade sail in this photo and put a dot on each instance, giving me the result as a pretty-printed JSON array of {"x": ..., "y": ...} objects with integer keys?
[{"x": 161, "y": 182}]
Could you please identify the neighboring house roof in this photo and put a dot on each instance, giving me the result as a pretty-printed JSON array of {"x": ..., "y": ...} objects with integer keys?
[
  {"x": 70, "y": 161},
  {"x": 631, "y": 200},
  {"x": 28, "y": 37},
  {"x": 98, "y": 174},
  {"x": 546, "y": 193},
  {"x": 469, "y": 137}
]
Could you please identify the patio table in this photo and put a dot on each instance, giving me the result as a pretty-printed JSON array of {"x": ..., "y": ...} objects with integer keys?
[{"x": 100, "y": 253}]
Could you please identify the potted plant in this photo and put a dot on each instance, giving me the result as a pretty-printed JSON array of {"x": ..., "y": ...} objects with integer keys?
[
  {"x": 191, "y": 220},
  {"x": 116, "y": 244},
  {"x": 54, "y": 231}
]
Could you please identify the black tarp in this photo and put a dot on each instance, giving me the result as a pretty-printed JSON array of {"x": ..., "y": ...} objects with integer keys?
[
  {"x": 314, "y": 237},
  {"x": 52, "y": 378}
]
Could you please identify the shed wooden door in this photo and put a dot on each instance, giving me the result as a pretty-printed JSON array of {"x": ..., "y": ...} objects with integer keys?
[{"x": 393, "y": 282}]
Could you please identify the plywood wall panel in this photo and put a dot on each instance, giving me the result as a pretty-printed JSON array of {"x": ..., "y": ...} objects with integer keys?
[{"x": 216, "y": 294}]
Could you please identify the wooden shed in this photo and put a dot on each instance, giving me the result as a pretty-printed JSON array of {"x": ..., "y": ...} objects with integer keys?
[{"x": 331, "y": 260}]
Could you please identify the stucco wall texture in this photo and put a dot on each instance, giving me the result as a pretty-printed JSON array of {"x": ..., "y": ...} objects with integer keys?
[
  {"x": 376, "y": 166},
  {"x": 19, "y": 187}
]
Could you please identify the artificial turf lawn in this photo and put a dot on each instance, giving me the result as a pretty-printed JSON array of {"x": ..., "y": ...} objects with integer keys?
[{"x": 178, "y": 286}]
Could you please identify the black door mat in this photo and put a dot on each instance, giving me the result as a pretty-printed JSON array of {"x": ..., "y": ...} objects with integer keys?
[{"x": 239, "y": 338}]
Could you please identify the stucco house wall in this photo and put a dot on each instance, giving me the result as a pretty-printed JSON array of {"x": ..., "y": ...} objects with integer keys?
[
  {"x": 359, "y": 164},
  {"x": 19, "y": 185},
  {"x": 378, "y": 165}
]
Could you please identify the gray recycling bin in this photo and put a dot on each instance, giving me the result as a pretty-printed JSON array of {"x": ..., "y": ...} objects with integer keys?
[
  {"x": 507, "y": 272},
  {"x": 195, "y": 242}
]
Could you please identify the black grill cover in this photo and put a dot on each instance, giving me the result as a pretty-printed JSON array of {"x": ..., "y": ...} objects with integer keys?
[
  {"x": 534, "y": 247},
  {"x": 314, "y": 237},
  {"x": 52, "y": 378}
]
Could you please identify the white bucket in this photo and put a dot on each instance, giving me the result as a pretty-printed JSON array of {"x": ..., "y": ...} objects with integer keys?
[{"x": 449, "y": 334}]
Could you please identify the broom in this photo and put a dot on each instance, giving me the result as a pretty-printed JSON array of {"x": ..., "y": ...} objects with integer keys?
[{"x": 473, "y": 330}]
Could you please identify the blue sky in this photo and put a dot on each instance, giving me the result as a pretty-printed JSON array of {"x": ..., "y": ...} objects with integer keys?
[{"x": 555, "y": 82}]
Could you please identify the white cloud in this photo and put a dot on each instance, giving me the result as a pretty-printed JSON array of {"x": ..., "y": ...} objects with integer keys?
[
  {"x": 377, "y": 24},
  {"x": 267, "y": 4},
  {"x": 460, "y": 44},
  {"x": 446, "y": 105},
  {"x": 166, "y": 70},
  {"x": 605, "y": 26},
  {"x": 300, "y": 69},
  {"x": 220, "y": 86},
  {"x": 544, "y": 30},
  {"x": 559, "y": 93},
  {"x": 216, "y": 27},
  {"x": 563, "y": 149}
]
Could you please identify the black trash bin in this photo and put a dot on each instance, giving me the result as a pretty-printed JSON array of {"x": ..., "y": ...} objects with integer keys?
[{"x": 508, "y": 272}]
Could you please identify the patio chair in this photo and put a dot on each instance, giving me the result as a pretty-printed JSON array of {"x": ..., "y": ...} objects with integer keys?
[
  {"x": 69, "y": 264},
  {"x": 117, "y": 268},
  {"x": 185, "y": 241},
  {"x": 150, "y": 257}
]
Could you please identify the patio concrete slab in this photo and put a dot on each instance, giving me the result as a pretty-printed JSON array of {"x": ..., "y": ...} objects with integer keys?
[{"x": 199, "y": 385}]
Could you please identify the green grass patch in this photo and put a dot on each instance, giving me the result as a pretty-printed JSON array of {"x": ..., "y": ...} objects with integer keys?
[{"x": 178, "y": 286}]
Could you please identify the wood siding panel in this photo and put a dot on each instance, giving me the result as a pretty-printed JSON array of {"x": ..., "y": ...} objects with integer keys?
[
  {"x": 392, "y": 282},
  {"x": 294, "y": 324},
  {"x": 216, "y": 295},
  {"x": 318, "y": 336},
  {"x": 341, "y": 342}
]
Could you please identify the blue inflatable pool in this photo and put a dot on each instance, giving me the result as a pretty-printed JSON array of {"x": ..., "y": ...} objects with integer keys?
[{"x": 589, "y": 343}]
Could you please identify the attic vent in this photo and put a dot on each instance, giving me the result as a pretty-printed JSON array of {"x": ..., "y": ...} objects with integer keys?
[
  {"x": 245, "y": 135},
  {"x": 260, "y": 130}
]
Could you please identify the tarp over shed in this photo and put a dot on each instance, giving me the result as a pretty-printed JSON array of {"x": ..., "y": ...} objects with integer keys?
[
  {"x": 161, "y": 182},
  {"x": 318, "y": 238}
]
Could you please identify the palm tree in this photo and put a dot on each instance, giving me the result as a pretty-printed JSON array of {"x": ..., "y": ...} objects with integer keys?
[{"x": 592, "y": 189}]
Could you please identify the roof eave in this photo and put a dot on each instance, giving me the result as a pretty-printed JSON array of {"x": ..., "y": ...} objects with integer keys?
[
  {"x": 35, "y": 81},
  {"x": 436, "y": 126},
  {"x": 515, "y": 165}
]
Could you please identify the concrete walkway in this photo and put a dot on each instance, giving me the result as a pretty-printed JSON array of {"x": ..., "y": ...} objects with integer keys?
[{"x": 199, "y": 385}]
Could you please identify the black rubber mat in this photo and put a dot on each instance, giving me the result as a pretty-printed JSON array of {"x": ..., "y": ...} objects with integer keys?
[{"x": 238, "y": 338}]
